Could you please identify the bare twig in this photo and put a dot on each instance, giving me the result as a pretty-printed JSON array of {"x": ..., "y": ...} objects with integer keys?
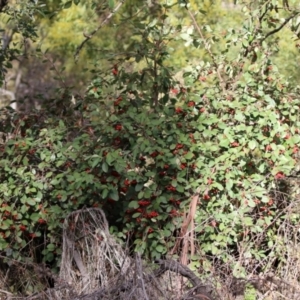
[
  {"x": 174, "y": 266},
  {"x": 189, "y": 220},
  {"x": 280, "y": 27},
  {"x": 90, "y": 35},
  {"x": 5, "y": 292},
  {"x": 140, "y": 274},
  {"x": 264, "y": 13},
  {"x": 206, "y": 45},
  {"x": 3, "y": 3}
]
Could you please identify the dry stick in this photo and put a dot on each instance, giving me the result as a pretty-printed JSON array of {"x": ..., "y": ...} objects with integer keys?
[
  {"x": 188, "y": 220},
  {"x": 138, "y": 263},
  {"x": 189, "y": 238},
  {"x": 6, "y": 292},
  {"x": 280, "y": 27},
  {"x": 3, "y": 3},
  {"x": 89, "y": 36},
  {"x": 178, "y": 268},
  {"x": 193, "y": 208},
  {"x": 182, "y": 233},
  {"x": 206, "y": 44}
]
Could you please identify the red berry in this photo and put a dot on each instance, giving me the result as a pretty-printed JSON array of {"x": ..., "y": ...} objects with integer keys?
[
  {"x": 209, "y": 181},
  {"x": 206, "y": 197},
  {"x": 279, "y": 175},
  {"x": 41, "y": 221},
  {"x": 154, "y": 154},
  {"x": 174, "y": 91},
  {"x": 182, "y": 166},
  {"x": 22, "y": 228},
  {"x": 115, "y": 70},
  {"x": 268, "y": 148},
  {"x": 179, "y": 110},
  {"x": 295, "y": 149},
  {"x": 126, "y": 182},
  {"x": 118, "y": 127}
]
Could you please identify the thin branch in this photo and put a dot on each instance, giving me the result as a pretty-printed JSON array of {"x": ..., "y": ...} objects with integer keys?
[
  {"x": 3, "y": 3},
  {"x": 184, "y": 229},
  {"x": 155, "y": 85},
  {"x": 255, "y": 43},
  {"x": 139, "y": 270},
  {"x": 264, "y": 13},
  {"x": 206, "y": 44},
  {"x": 280, "y": 27},
  {"x": 89, "y": 36},
  {"x": 5, "y": 292},
  {"x": 176, "y": 267}
]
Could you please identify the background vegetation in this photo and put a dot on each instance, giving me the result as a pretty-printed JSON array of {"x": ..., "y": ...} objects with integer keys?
[{"x": 178, "y": 118}]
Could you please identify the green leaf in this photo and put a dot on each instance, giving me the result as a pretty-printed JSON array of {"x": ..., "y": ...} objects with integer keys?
[
  {"x": 135, "y": 215},
  {"x": 174, "y": 183},
  {"x": 23, "y": 209},
  {"x": 114, "y": 195},
  {"x": 138, "y": 187},
  {"x": 30, "y": 201},
  {"x": 5, "y": 225},
  {"x": 111, "y": 4},
  {"x": 248, "y": 221},
  {"x": 42, "y": 155},
  {"x": 104, "y": 167},
  {"x": 60, "y": 163},
  {"x": 133, "y": 204},
  {"x": 251, "y": 203},
  {"x": 239, "y": 271},
  {"x": 109, "y": 159},
  {"x": 189, "y": 155},
  {"x": 180, "y": 189},
  {"x": 167, "y": 233},
  {"x": 95, "y": 162},
  {"x": 51, "y": 247},
  {"x": 222, "y": 226},
  {"x": 104, "y": 193},
  {"x": 67, "y": 5},
  {"x": 37, "y": 184},
  {"x": 214, "y": 250},
  {"x": 160, "y": 248},
  {"x": 229, "y": 184},
  {"x": 218, "y": 186},
  {"x": 34, "y": 217},
  {"x": 38, "y": 197},
  {"x": 55, "y": 181},
  {"x": 252, "y": 144},
  {"x": 25, "y": 161}
]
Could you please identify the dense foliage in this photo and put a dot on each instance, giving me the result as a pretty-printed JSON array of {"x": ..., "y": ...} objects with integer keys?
[{"x": 209, "y": 150}]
